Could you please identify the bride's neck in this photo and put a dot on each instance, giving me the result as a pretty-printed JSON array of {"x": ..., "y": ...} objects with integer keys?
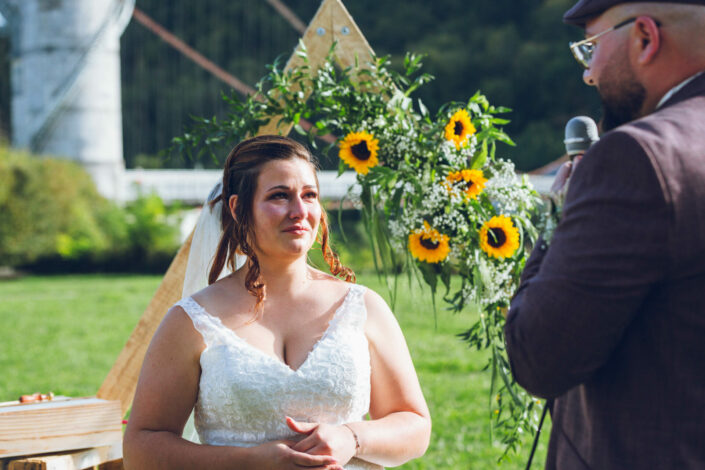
[{"x": 285, "y": 277}]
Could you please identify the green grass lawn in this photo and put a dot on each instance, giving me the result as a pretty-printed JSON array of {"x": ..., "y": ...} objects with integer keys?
[{"x": 63, "y": 333}]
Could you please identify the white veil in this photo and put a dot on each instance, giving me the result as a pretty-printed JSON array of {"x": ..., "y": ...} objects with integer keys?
[{"x": 204, "y": 244}]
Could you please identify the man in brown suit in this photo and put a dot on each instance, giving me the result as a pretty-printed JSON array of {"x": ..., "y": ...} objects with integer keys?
[{"x": 609, "y": 320}]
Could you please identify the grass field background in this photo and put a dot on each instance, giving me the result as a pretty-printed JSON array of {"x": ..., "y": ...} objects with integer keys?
[{"x": 63, "y": 333}]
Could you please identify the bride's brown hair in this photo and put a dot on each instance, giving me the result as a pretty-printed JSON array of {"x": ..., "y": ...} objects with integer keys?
[{"x": 240, "y": 175}]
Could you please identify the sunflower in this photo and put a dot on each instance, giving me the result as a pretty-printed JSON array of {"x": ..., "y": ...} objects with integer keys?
[
  {"x": 359, "y": 150},
  {"x": 459, "y": 128},
  {"x": 471, "y": 182},
  {"x": 429, "y": 245},
  {"x": 499, "y": 237}
]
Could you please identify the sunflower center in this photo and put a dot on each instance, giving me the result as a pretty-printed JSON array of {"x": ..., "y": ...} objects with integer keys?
[
  {"x": 496, "y": 237},
  {"x": 360, "y": 151},
  {"x": 458, "y": 128},
  {"x": 428, "y": 243}
]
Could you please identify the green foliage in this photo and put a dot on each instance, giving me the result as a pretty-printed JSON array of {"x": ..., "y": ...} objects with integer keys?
[
  {"x": 53, "y": 219},
  {"x": 148, "y": 226},
  {"x": 47, "y": 206}
]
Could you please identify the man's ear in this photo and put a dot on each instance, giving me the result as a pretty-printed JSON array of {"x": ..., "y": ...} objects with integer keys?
[
  {"x": 646, "y": 38},
  {"x": 232, "y": 203}
]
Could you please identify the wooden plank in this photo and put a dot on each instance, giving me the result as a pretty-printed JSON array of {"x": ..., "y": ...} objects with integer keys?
[
  {"x": 61, "y": 425},
  {"x": 113, "y": 465},
  {"x": 352, "y": 43},
  {"x": 107, "y": 457},
  {"x": 121, "y": 382},
  {"x": 318, "y": 40},
  {"x": 325, "y": 27},
  {"x": 332, "y": 22}
]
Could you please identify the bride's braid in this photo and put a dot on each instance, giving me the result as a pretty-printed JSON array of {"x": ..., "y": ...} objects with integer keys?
[
  {"x": 242, "y": 169},
  {"x": 336, "y": 267}
]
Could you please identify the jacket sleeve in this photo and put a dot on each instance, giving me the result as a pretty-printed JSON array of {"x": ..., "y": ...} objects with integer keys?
[{"x": 581, "y": 293}]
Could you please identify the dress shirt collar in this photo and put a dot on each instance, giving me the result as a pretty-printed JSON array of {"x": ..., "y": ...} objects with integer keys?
[{"x": 677, "y": 88}]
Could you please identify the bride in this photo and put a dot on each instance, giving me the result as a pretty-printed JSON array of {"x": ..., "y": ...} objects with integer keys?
[{"x": 287, "y": 367}]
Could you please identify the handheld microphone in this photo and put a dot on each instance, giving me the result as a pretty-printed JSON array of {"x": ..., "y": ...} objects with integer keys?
[{"x": 580, "y": 134}]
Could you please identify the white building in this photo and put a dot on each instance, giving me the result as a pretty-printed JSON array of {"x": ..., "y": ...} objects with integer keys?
[{"x": 66, "y": 82}]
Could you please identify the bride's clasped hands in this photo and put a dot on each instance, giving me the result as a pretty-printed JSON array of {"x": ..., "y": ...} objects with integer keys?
[{"x": 339, "y": 441}]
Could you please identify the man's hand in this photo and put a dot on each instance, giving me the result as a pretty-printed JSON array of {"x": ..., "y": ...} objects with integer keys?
[{"x": 560, "y": 184}]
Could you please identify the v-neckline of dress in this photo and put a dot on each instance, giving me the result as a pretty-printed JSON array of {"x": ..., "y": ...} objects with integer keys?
[{"x": 276, "y": 359}]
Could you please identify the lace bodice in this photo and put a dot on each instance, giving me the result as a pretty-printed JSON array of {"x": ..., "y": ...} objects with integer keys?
[{"x": 245, "y": 394}]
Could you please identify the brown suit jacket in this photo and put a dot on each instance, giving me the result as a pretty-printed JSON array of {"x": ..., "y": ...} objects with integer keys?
[{"x": 610, "y": 319}]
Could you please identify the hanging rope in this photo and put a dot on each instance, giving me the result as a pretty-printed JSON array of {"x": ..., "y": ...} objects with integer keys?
[
  {"x": 288, "y": 15},
  {"x": 191, "y": 53},
  {"x": 199, "y": 59}
]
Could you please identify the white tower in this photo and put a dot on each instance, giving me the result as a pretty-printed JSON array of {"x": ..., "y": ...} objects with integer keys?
[{"x": 66, "y": 82}]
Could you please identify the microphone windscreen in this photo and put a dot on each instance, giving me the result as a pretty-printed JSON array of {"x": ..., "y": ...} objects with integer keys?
[{"x": 580, "y": 134}]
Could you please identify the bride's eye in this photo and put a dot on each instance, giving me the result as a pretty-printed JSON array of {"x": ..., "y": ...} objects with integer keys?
[
  {"x": 278, "y": 195},
  {"x": 311, "y": 195}
]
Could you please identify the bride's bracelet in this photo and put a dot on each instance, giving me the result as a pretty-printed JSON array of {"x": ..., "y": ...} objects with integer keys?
[{"x": 357, "y": 440}]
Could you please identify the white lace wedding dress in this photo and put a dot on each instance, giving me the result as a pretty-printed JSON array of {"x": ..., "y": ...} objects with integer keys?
[{"x": 245, "y": 394}]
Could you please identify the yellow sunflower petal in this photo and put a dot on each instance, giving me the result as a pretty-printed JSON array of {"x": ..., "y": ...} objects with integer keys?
[
  {"x": 473, "y": 182},
  {"x": 499, "y": 237},
  {"x": 459, "y": 128},
  {"x": 359, "y": 151},
  {"x": 429, "y": 245}
]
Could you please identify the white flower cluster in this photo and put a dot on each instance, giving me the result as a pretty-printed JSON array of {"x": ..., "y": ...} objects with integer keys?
[
  {"x": 401, "y": 228},
  {"x": 495, "y": 283},
  {"x": 459, "y": 158},
  {"x": 507, "y": 190},
  {"x": 400, "y": 232},
  {"x": 435, "y": 199},
  {"x": 395, "y": 143},
  {"x": 448, "y": 223},
  {"x": 353, "y": 196},
  {"x": 457, "y": 252},
  {"x": 455, "y": 194}
]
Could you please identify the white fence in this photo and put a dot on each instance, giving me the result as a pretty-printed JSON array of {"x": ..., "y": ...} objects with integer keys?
[{"x": 193, "y": 186}]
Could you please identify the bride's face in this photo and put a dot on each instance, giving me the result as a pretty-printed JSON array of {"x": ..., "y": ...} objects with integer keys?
[{"x": 285, "y": 209}]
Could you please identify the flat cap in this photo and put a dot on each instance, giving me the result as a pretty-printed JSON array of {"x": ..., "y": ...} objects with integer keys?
[{"x": 584, "y": 10}]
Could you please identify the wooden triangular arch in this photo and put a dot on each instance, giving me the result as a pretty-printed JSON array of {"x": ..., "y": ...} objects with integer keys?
[{"x": 332, "y": 22}]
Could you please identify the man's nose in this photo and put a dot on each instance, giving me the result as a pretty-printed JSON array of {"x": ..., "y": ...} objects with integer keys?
[{"x": 587, "y": 77}]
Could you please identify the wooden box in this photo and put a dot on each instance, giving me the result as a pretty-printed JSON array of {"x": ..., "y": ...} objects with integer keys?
[{"x": 58, "y": 425}]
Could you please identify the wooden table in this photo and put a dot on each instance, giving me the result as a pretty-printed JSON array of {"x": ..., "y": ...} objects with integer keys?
[{"x": 102, "y": 458}]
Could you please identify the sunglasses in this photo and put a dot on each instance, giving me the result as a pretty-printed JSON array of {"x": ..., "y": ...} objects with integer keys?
[{"x": 583, "y": 50}]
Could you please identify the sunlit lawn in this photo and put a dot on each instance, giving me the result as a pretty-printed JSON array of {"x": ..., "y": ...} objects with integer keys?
[{"x": 63, "y": 333}]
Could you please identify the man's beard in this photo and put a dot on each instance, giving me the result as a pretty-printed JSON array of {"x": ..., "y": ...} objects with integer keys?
[{"x": 621, "y": 93}]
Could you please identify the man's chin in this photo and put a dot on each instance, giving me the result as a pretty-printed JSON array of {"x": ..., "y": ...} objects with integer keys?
[
  {"x": 610, "y": 121},
  {"x": 616, "y": 112}
]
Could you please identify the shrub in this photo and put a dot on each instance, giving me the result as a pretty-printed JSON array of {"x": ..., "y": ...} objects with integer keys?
[
  {"x": 52, "y": 219},
  {"x": 43, "y": 203}
]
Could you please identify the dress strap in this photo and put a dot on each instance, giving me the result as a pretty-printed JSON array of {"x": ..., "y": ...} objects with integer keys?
[
  {"x": 209, "y": 326},
  {"x": 352, "y": 313}
]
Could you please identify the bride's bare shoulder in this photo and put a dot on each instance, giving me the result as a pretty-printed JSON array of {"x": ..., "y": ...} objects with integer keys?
[
  {"x": 225, "y": 297},
  {"x": 322, "y": 280}
]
